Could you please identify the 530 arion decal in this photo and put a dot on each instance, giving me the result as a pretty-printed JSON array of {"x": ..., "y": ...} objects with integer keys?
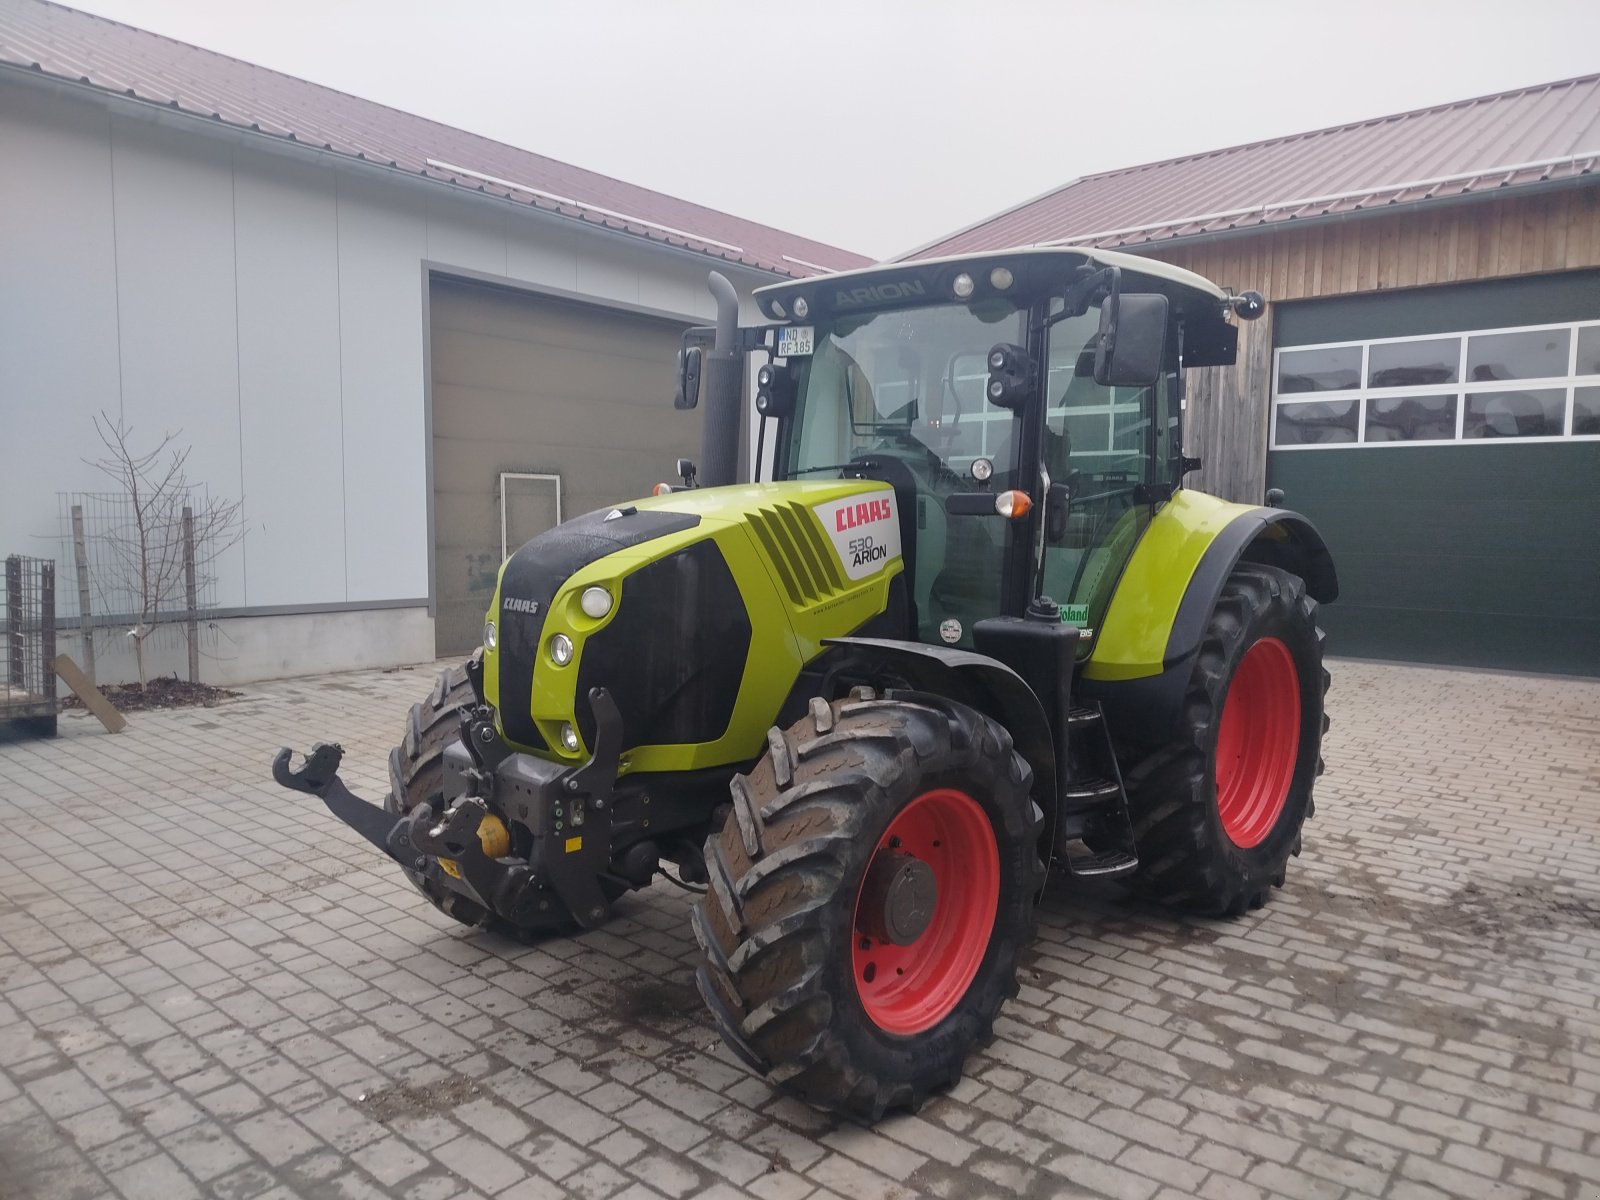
[{"x": 864, "y": 530}]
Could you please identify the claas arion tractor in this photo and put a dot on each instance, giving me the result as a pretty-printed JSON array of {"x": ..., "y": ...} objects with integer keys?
[{"x": 965, "y": 628}]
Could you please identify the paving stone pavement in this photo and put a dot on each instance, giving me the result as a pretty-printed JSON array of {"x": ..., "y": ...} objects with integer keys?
[{"x": 210, "y": 987}]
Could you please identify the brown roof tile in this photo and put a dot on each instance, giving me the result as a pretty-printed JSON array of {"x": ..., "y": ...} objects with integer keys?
[
  {"x": 1549, "y": 132},
  {"x": 47, "y": 38}
]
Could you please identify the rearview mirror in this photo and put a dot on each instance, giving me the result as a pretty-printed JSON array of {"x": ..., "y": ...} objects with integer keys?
[
  {"x": 689, "y": 362},
  {"x": 1131, "y": 348}
]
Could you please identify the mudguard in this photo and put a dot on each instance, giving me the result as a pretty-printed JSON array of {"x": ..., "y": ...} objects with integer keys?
[
  {"x": 1157, "y": 617},
  {"x": 979, "y": 682}
]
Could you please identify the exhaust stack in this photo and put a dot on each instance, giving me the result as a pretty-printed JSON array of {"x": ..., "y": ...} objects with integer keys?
[{"x": 724, "y": 391}]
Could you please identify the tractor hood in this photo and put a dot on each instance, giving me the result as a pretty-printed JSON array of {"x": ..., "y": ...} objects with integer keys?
[{"x": 696, "y": 610}]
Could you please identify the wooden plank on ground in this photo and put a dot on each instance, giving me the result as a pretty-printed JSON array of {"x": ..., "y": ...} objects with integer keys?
[{"x": 86, "y": 691}]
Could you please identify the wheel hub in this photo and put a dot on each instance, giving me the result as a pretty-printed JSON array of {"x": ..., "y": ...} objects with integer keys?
[
  {"x": 1258, "y": 743},
  {"x": 925, "y": 911},
  {"x": 898, "y": 898}
]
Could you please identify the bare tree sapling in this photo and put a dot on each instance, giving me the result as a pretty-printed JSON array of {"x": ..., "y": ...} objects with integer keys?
[{"x": 147, "y": 550}]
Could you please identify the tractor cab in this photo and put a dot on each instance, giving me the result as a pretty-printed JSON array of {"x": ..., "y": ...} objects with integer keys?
[{"x": 1025, "y": 406}]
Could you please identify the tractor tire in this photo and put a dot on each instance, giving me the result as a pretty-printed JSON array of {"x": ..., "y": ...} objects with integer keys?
[
  {"x": 878, "y": 834},
  {"x": 416, "y": 774},
  {"x": 1218, "y": 810}
]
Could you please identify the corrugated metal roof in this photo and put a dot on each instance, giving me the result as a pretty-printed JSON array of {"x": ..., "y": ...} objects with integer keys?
[
  {"x": 1540, "y": 134},
  {"x": 48, "y": 39}
]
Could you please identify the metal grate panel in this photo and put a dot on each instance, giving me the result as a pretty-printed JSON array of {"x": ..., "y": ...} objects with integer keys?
[{"x": 28, "y": 688}]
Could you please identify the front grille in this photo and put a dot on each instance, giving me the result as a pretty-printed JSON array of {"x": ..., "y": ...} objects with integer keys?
[
  {"x": 805, "y": 562},
  {"x": 531, "y": 579},
  {"x": 674, "y": 655}
]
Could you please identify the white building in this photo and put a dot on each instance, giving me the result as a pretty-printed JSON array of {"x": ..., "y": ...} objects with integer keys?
[{"x": 361, "y": 322}]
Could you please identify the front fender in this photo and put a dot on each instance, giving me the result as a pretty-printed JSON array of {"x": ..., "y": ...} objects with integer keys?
[
  {"x": 1165, "y": 596},
  {"x": 1145, "y": 649},
  {"x": 979, "y": 682}
]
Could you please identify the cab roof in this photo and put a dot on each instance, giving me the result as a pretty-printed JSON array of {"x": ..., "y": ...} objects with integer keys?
[{"x": 928, "y": 281}]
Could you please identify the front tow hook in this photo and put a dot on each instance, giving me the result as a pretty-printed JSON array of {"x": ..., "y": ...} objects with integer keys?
[
  {"x": 319, "y": 777},
  {"x": 505, "y": 887}
]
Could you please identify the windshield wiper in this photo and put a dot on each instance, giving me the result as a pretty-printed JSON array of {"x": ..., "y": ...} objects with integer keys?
[{"x": 860, "y": 462}]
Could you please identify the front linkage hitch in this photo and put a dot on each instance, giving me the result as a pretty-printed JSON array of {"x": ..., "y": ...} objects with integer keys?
[{"x": 560, "y": 876}]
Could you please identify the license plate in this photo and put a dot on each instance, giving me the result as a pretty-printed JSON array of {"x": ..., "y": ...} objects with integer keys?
[{"x": 795, "y": 340}]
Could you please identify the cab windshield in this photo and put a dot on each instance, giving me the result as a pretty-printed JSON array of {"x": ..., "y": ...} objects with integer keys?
[{"x": 905, "y": 384}]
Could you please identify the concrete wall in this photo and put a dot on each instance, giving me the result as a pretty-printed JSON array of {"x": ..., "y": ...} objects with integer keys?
[
  {"x": 270, "y": 305},
  {"x": 236, "y": 650}
]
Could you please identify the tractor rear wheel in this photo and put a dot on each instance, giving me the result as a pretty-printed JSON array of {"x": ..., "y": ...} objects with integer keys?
[
  {"x": 1217, "y": 811},
  {"x": 416, "y": 774},
  {"x": 869, "y": 896}
]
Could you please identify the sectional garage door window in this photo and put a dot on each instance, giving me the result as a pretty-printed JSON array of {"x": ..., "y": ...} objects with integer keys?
[{"x": 1535, "y": 382}]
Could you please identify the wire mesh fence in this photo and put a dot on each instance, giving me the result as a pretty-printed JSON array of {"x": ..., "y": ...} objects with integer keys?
[
  {"x": 142, "y": 570},
  {"x": 28, "y": 688}
]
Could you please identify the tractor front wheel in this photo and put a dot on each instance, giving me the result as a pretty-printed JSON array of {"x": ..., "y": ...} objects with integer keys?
[
  {"x": 416, "y": 774},
  {"x": 1217, "y": 811},
  {"x": 869, "y": 896}
]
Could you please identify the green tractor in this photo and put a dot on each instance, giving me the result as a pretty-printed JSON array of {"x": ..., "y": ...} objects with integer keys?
[{"x": 969, "y": 629}]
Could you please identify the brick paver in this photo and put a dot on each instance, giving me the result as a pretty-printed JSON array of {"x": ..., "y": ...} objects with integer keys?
[{"x": 210, "y": 987}]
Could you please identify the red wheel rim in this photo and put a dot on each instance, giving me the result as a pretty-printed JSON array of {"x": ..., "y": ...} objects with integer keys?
[
  {"x": 1258, "y": 743},
  {"x": 906, "y": 989}
]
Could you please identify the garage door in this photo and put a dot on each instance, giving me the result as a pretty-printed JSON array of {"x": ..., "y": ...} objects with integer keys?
[
  {"x": 537, "y": 403},
  {"x": 1447, "y": 443}
]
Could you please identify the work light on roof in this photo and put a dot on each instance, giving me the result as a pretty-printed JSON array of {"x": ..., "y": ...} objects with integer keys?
[
  {"x": 962, "y": 285},
  {"x": 778, "y": 309},
  {"x": 801, "y": 308},
  {"x": 1001, "y": 278}
]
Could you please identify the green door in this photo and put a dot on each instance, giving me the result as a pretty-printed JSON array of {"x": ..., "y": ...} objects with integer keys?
[{"x": 1446, "y": 441}]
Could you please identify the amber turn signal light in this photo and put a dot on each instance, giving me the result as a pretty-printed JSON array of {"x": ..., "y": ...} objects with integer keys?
[{"x": 1013, "y": 504}]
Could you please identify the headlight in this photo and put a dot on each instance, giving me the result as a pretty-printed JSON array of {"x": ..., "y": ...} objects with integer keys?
[
  {"x": 982, "y": 469},
  {"x": 569, "y": 737},
  {"x": 595, "y": 602},
  {"x": 561, "y": 649},
  {"x": 491, "y": 636}
]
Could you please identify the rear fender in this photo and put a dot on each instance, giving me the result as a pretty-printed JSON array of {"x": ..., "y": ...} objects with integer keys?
[{"x": 979, "y": 682}]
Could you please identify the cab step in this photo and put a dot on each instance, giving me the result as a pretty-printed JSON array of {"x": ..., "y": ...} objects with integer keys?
[
  {"x": 1089, "y": 793},
  {"x": 1105, "y": 864},
  {"x": 1094, "y": 833}
]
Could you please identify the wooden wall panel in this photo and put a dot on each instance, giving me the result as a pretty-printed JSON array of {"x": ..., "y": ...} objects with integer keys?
[
  {"x": 1420, "y": 245},
  {"x": 1223, "y": 425},
  {"x": 1417, "y": 246}
]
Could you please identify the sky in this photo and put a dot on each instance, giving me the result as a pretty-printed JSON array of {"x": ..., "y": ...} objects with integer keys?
[{"x": 880, "y": 125}]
